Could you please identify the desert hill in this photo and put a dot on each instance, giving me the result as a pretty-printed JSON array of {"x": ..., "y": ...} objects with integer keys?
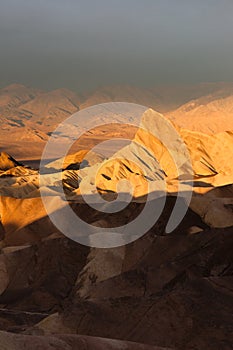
[
  {"x": 49, "y": 109},
  {"x": 11, "y": 98},
  {"x": 161, "y": 98},
  {"x": 144, "y": 162},
  {"x": 209, "y": 114},
  {"x": 30, "y": 115},
  {"x": 15, "y": 95},
  {"x": 145, "y": 97},
  {"x": 160, "y": 291}
]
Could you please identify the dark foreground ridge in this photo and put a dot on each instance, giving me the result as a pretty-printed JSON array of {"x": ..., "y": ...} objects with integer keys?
[{"x": 171, "y": 291}]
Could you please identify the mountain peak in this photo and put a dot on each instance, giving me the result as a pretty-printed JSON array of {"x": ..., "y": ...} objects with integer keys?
[
  {"x": 7, "y": 162},
  {"x": 14, "y": 86}
]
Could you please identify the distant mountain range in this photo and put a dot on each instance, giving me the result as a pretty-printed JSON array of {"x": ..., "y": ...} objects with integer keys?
[{"x": 30, "y": 115}]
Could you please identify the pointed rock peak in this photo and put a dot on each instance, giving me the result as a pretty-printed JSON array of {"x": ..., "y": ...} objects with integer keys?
[{"x": 7, "y": 162}]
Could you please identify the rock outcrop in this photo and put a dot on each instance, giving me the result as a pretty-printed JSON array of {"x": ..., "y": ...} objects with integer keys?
[{"x": 161, "y": 291}]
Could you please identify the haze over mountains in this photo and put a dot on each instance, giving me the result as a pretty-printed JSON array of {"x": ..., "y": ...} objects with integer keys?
[{"x": 30, "y": 115}]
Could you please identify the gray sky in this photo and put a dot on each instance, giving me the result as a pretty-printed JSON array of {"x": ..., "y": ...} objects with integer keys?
[{"x": 82, "y": 44}]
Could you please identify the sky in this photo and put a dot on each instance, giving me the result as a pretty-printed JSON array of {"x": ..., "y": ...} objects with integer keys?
[{"x": 85, "y": 44}]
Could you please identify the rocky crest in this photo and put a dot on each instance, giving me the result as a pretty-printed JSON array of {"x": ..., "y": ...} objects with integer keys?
[{"x": 161, "y": 291}]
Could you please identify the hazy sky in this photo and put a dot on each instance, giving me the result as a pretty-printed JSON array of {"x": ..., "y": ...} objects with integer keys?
[{"x": 83, "y": 44}]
